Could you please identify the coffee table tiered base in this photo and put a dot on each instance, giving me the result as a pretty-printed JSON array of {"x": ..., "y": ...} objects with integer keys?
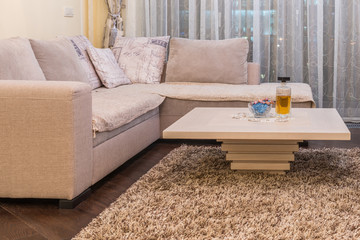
[{"x": 260, "y": 155}]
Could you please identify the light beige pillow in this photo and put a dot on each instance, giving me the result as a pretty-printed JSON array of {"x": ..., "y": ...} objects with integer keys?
[
  {"x": 58, "y": 60},
  {"x": 17, "y": 60},
  {"x": 107, "y": 68},
  {"x": 207, "y": 61},
  {"x": 142, "y": 58},
  {"x": 81, "y": 43}
]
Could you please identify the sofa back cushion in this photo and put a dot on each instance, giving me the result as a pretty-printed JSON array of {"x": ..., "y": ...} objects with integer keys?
[
  {"x": 142, "y": 58},
  {"x": 17, "y": 61},
  {"x": 208, "y": 61},
  {"x": 58, "y": 60},
  {"x": 81, "y": 43}
]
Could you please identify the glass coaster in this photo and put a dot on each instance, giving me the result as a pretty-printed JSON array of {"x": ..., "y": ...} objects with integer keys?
[
  {"x": 270, "y": 118},
  {"x": 250, "y": 117}
]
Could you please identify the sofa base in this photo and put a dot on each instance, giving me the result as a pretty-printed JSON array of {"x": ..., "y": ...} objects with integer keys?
[
  {"x": 70, "y": 204},
  {"x": 117, "y": 150}
]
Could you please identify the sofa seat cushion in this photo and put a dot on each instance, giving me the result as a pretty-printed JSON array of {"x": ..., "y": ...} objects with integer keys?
[
  {"x": 102, "y": 137},
  {"x": 115, "y": 107},
  {"x": 300, "y": 92}
]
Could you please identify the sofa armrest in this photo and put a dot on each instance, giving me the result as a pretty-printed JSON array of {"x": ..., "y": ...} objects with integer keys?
[
  {"x": 253, "y": 73},
  {"x": 46, "y": 139}
]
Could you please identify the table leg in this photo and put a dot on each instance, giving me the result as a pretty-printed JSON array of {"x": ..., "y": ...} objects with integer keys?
[{"x": 260, "y": 155}]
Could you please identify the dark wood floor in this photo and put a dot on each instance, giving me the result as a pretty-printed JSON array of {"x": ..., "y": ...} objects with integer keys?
[{"x": 41, "y": 219}]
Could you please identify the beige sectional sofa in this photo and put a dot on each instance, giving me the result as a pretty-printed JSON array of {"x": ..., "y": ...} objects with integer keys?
[{"x": 58, "y": 138}]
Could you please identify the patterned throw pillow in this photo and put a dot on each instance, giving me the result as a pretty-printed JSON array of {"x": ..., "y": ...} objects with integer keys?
[
  {"x": 107, "y": 68},
  {"x": 81, "y": 43},
  {"x": 142, "y": 58}
]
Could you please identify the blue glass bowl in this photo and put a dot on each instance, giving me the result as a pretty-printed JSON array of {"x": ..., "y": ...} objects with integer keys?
[{"x": 260, "y": 110}]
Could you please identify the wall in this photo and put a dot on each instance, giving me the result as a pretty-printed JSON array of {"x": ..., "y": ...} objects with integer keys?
[
  {"x": 41, "y": 19},
  {"x": 44, "y": 19}
]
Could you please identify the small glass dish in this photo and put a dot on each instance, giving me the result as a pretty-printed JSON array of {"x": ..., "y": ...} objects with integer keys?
[{"x": 260, "y": 109}]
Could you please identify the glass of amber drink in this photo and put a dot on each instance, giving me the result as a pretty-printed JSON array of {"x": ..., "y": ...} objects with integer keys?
[
  {"x": 283, "y": 104},
  {"x": 283, "y": 101}
]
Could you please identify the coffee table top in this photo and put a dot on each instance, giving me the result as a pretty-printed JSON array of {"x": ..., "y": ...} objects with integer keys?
[{"x": 218, "y": 123}]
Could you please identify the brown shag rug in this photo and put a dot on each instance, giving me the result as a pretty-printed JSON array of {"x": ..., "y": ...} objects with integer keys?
[{"x": 192, "y": 194}]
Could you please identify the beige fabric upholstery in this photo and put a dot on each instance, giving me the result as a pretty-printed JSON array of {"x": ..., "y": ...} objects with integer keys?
[
  {"x": 207, "y": 61},
  {"x": 58, "y": 60},
  {"x": 112, "y": 108},
  {"x": 115, "y": 107},
  {"x": 107, "y": 68},
  {"x": 173, "y": 109},
  {"x": 253, "y": 74},
  {"x": 104, "y": 136},
  {"x": 117, "y": 150},
  {"x": 81, "y": 43},
  {"x": 46, "y": 147},
  {"x": 300, "y": 92},
  {"x": 17, "y": 60},
  {"x": 253, "y": 70}
]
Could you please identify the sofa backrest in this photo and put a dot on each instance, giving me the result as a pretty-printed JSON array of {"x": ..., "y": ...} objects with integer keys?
[
  {"x": 253, "y": 77},
  {"x": 210, "y": 61},
  {"x": 17, "y": 60},
  {"x": 253, "y": 73},
  {"x": 30, "y": 59},
  {"x": 58, "y": 60}
]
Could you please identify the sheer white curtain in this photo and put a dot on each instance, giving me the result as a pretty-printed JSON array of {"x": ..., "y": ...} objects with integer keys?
[{"x": 312, "y": 41}]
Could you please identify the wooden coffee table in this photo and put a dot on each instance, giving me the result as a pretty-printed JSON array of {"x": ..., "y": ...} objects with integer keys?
[{"x": 264, "y": 146}]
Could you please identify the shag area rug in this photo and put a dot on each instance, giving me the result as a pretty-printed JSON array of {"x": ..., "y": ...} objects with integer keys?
[{"x": 193, "y": 194}]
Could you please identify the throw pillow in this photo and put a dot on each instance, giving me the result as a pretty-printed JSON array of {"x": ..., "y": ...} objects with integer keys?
[
  {"x": 208, "y": 61},
  {"x": 142, "y": 58},
  {"x": 107, "y": 68},
  {"x": 81, "y": 43},
  {"x": 17, "y": 61},
  {"x": 58, "y": 60}
]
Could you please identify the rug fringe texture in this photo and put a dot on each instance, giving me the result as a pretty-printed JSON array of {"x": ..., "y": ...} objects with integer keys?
[{"x": 193, "y": 194}]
